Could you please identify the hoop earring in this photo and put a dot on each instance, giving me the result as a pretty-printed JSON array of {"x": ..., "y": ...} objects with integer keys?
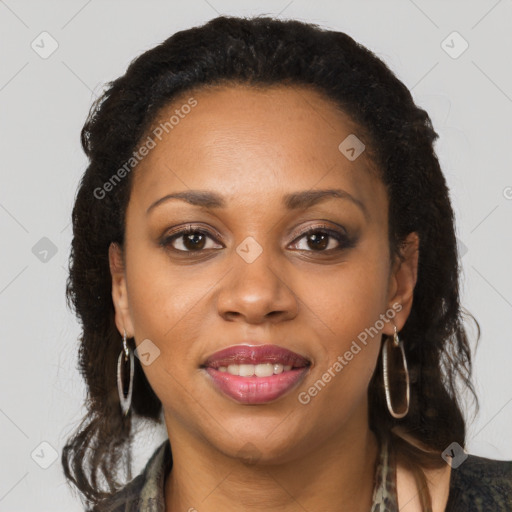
[
  {"x": 125, "y": 395},
  {"x": 397, "y": 343}
]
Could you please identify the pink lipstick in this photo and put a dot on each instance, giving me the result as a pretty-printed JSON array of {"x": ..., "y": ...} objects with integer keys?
[{"x": 255, "y": 374}]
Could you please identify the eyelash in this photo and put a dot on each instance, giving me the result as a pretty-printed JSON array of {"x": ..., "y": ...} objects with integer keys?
[{"x": 343, "y": 240}]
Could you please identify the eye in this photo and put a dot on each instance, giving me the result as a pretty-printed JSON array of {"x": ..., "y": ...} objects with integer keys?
[
  {"x": 190, "y": 239},
  {"x": 323, "y": 239}
]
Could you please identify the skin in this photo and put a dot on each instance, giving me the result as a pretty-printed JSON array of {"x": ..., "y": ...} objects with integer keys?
[
  {"x": 408, "y": 497},
  {"x": 253, "y": 146}
]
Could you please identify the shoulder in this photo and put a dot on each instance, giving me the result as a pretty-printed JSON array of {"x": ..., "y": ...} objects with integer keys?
[
  {"x": 480, "y": 484},
  {"x": 146, "y": 490}
]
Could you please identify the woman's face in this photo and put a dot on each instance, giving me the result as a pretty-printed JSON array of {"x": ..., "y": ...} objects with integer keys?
[{"x": 248, "y": 274}]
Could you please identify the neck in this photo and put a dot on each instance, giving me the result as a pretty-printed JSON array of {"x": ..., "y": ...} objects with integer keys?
[{"x": 336, "y": 475}]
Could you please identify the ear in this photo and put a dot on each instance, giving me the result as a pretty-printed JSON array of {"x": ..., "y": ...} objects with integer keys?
[
  {"x": 119, "y": 290},
  {"x": 402, "y": 281}
]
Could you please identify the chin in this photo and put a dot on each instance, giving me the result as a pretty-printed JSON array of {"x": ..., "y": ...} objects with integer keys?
[{"x": 260, "y": 447}]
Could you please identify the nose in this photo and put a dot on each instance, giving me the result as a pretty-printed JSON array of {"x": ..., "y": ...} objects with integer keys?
[{"x": 256, "y": 292}]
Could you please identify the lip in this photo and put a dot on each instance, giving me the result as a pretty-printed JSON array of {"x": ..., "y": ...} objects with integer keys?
[
  {"x": 256, "y": 390},
  {"x": 255, "y": 354}
]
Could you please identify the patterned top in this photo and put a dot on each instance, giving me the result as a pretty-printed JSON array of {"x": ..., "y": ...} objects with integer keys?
[{"x": 478, "y": 485}]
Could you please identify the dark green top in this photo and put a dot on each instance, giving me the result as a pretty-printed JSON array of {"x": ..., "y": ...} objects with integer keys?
[{"x": 477, "y": 485}]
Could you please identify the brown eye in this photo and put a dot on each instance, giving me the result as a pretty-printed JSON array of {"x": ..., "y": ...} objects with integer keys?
[
  {"x": 189, "y": 240},
  {"x": 318, "y": 239},
  {"x": 322, "y": 239}
]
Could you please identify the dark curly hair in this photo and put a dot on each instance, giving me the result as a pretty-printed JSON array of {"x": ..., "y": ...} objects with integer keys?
[{"x": 399, "y": 137}]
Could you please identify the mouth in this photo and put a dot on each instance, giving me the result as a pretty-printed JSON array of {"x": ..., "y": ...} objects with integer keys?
[{"x": 255, "y": 374}]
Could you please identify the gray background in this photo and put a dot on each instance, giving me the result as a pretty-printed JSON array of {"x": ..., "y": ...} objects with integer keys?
[{"x": 44, "y": 103}]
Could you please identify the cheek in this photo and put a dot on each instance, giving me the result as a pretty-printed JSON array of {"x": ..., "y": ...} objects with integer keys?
[
  {"x": 171, "y": 306},
  {"x": 346, "y": 308},
  {"x": 348, "y": 299},
  {"x": 164, "y": 298},
  {"x": 347, "y": 316}
]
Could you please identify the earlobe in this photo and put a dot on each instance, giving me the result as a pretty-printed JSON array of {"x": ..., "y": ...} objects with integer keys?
[
  {"x": 403, "y": 279},
  {"x": 119, "y": 290}
]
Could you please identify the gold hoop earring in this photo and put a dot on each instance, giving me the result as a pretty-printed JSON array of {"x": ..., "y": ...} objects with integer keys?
[{"x": 397, "y": 343}]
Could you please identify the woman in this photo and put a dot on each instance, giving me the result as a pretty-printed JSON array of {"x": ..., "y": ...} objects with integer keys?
[{"x": 264, "y": 224}]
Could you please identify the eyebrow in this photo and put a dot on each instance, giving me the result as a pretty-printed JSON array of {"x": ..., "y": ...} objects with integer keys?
[{"x": 294, "y": 201}]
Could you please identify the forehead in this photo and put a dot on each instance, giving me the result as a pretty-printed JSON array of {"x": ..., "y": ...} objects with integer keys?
[{"x": 244, "y": 140}]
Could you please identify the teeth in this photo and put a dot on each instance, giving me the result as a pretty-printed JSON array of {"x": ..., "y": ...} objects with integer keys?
[
  {"x": 258, "y": 370},
  {"x": 263, "y": 370},
  {"x": 278, "y": 368},
  {"x": 245, "y": 370}
]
